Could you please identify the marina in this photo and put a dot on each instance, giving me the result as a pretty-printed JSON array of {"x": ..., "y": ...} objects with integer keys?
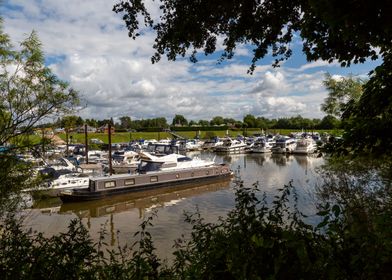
[{"x": 87, "y": 175}]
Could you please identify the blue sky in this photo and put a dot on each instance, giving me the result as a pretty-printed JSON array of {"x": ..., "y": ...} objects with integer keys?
[{"x": 86, "y": 44}]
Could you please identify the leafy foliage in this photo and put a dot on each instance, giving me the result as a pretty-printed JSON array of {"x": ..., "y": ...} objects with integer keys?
[
  {"x": 348, "y": 32},
  {"x": 179, "y": 120},
  {"x": 15, "y": 175},
  {"x": 362, "y": 189},
  {"x": 29, "y": 92},
  {"x": 366, "y": 119},
  {"x": 342, "y": 93},
  {"x": 31, "y": 255},
  {"x": 371, "y": 117}
]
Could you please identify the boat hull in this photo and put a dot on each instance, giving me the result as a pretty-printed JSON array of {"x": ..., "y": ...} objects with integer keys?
[
  {"x": 183, "y": 177},
  {"x": 239, "y": 149}
]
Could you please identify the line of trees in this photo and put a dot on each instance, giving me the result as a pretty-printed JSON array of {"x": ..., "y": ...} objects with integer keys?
[{"x": 125, "y": 123}]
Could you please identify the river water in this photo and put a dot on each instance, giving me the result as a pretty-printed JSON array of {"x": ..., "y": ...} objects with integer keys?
[{"x": 121, "y": 216}]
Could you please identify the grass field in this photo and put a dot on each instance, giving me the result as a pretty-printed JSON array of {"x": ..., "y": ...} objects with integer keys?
[{"x": 121, "y": 137}]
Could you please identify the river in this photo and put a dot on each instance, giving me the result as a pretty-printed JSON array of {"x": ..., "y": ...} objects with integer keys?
[{"x": 122, "y": 215}]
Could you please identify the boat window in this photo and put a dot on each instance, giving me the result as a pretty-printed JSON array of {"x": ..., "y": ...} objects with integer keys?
[
  {"x": 154, "y": 179},
  {"x": 160, "y": 149},
  {"x": 146, "y": 166},
  {"x": 177, "y": 176},
  {"x": 181, "y": 159},
  {"x": 207, "y": 172},
  {"x": 118, "y": 158},
  {"x": 110, "y": 184},
  {"x": 192, "y": 174},
  {"x": 129, "y": 182},
  {"x": 92, "y": 185}
]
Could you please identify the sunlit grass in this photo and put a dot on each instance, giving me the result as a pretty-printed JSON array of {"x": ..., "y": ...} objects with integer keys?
[{"x": 123, "y": 137}]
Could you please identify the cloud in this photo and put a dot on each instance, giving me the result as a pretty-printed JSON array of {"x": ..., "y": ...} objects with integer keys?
[
  {"x": 316, "y": 64},
  {"x": 271, "y": 83},
  {"x": 87, "y": 44}
]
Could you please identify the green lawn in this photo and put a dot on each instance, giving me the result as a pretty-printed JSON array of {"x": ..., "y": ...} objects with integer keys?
[{"x": 120, "y": 137}]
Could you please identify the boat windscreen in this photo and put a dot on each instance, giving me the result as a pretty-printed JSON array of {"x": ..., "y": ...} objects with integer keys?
[{"x": 148, "y": 166}]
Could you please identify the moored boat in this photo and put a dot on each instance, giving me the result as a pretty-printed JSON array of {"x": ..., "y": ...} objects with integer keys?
[
  {"x": 210, "y": 144},
  {"x": 231, "y": 146},
  {"x": 305, "y": 145},
  {"x": 262, "y": 145},
  {"x": 58, "y": 182},
  {"x": 284, "y": 145},
  {"x": 154, "y": 172}
]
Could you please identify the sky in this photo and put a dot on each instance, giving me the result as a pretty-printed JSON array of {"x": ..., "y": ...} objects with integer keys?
[{"x": 87, "y": 44}]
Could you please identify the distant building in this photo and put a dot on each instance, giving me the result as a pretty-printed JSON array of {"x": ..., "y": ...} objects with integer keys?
[
  {"x": 90, "y": 129},
  {"x": 105, "y": 129}
]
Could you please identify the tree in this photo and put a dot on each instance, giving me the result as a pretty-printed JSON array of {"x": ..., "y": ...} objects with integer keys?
[
  {"x": 192, "y": 123},
  {"x": 125, "y": 122},
  {"x": 29, "y": 94},
  {"x": 204, "y": 123},
  {"x": 369, "y": 120},
  {"x": 229, "y": 121},
  {"x": 161, "y": 122},
  {"x": 329, "y": 122},
  {"x": 250, "y": 120},
  {"x": 70, "y": 122},
  {"x": 92, "y": 122},
  {"x": 283, "y": 123},
  {"x": 341, "y": 92},
  {"x": 29, "y": 91},
  {"x": 262, "y": 122},
  {"x": 179, "y": 120},
  {"x": 217, "y": 120}
]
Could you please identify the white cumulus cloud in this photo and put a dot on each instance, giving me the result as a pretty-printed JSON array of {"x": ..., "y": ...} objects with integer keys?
[{"x": 86, "y": 44}]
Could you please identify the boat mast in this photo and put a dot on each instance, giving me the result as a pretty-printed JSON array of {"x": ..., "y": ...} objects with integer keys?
[
  {"x": 110, "y": 147},
  {"x": 86, "y": 142}
]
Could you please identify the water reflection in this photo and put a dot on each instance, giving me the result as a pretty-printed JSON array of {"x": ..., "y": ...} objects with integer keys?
[
  {"x": 142, "y": 201},
  {"x": 281, "y": 159},
  {"x": 260, "y": 159}
]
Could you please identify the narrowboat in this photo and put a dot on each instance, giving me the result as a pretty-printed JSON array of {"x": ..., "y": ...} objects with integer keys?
[{"x": 154, "y": 172}]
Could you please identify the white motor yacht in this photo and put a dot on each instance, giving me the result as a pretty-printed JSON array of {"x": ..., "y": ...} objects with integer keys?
[
  {"x": 58, "y": 181},
  {"x": 262, "y": 145},
  {"x": 305, "y": 145},
  {"x": 193, "y": 145},
  {"x": 211, "y": 144},
  {"x": 284, "y": 145},
  {"x": 170, "y": 162},
  {"x": 231, "y": 146}
]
